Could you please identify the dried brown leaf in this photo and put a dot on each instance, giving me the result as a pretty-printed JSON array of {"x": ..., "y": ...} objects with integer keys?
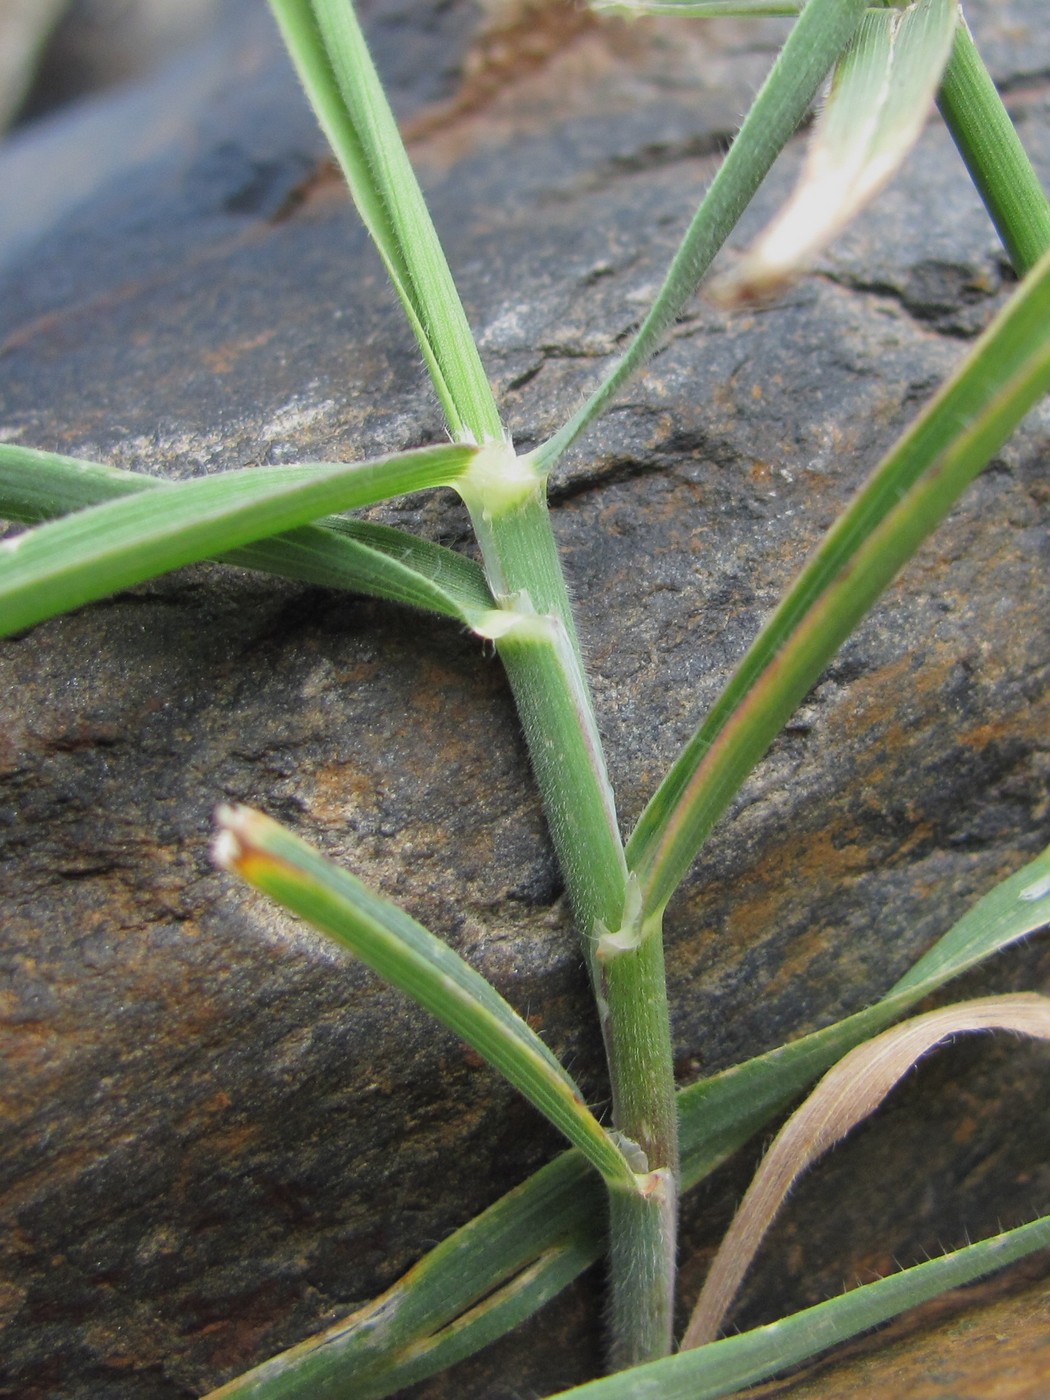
[{"x": 848, "y": 1093}]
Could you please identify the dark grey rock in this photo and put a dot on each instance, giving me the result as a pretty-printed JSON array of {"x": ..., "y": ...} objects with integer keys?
[{"x": 218, "y": 1134}]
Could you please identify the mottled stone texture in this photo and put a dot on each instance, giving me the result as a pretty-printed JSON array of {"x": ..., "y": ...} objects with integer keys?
[{"x": 219, "y": 1135}]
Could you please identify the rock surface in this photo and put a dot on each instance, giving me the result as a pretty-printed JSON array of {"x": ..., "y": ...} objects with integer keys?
[
  {"x": 988, "y": 1343},
  {"x": 218, "y": 1135}
]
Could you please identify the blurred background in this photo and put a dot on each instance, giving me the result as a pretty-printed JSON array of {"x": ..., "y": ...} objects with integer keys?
[{"x": 55, "y": 52}]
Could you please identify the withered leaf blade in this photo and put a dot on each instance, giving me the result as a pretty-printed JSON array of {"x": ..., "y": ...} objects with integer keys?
[
  {"x": 846, "y": 1095},
  {"x": 881, "y": 95}
]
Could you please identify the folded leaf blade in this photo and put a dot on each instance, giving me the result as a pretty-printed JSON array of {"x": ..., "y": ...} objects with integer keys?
[
  {"x": 428, "y": 970},
  {"x": 905, "y": 498},
  {"x": 881, "y": 94},
  {"x": 428, "y": 1318},
  {"x": 376, "y": 560},
  {"x": 335, "y": 552},
  {"x": 719, "y": 1114},
  {"x": 336, "y": 69},
  {"x": 521, "y": 1251},
  {"x": 822, "y": 31},
  {"x": 726, "y": 1366}
]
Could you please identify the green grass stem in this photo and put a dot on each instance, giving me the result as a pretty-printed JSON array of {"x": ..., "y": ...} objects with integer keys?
[
  {"x": 541, "y": 655},
  {"x": 537, "y": 639},
  {"x": 643, "y": 1231},
  {"x": 553, "y": 1223}
]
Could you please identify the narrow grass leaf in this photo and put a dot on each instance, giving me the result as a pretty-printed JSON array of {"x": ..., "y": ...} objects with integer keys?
[
  {"x": 92, "y": 553},
  {"x": 480, "y": 1282},
  {"x": 1014, "y": 908},
  {"x": 991, "y": 148},
  {"x": 821, "y": 33},
  {"x": 409, "y": 957},
  {"x": 910, "y": 492},
  {"x": 335, "y": 553},
  {"x": 336, "y": 69},
  {"x": 846, "y": 1095},
  {"x": 552, "y": 1226},
  {"x": 881, "y": 95},
  {"x": 36, "y": 486},
  {"x": 377, "y": 560},
  {"x": 718, "y": 1115},
  {"x": 726, "y": 1366}
]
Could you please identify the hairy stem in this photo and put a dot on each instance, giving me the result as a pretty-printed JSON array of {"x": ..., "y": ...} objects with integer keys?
[
  {"x": 643, "y": 1228},
  {"x": 536, "y": 638},
  {"x": 641, "y": 1266}
]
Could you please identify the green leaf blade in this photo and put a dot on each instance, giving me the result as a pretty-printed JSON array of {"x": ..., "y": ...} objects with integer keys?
[
  {"x": 719, "y": 1114},
  {"x": 376, "y": 560},
  {"x": 402, "y": 1336},
  {"x": 820, "y": 34},
  {"x": 337, "y": 552},
  {"x": 907, "y": 496},
  {"x": 1014, "y": 908},
  {"x": 335, "y": 66},
  {"x": 474, "y": 1287},
  {"x": 725, "y": 1366},
  {"x": 37, "y": 486},
  {"x": 428, "y": 970},
  {"x": 94, "y": 552}
]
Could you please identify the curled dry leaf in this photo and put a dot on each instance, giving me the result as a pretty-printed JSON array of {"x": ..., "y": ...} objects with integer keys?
[
  {"x": 848, "y": 1093},
  {"x": 881, "y": 94}
]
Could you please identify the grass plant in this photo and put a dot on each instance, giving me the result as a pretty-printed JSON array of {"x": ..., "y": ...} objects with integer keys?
[{"x": 93, "y": 529}]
